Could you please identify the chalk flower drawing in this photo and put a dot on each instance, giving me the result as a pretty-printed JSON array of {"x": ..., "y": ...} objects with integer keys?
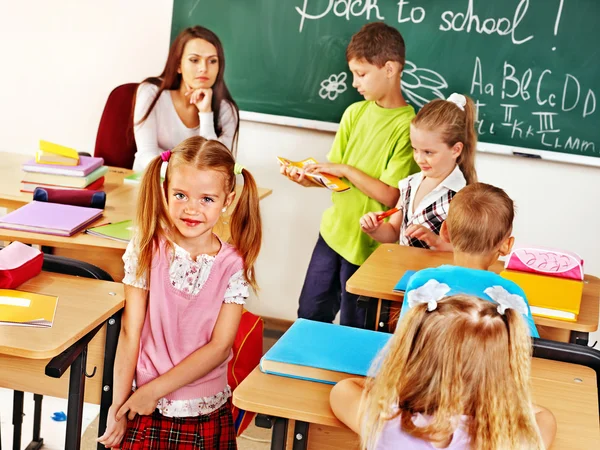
[
  {"x": 333, "y": 86},
  {"x": 420, "y": 85}
]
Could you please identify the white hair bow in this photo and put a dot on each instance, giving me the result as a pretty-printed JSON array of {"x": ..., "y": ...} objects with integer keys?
[
  {"x": 506, "y": 300},
  {"x": 429, "y": 293},
  {"x": 458, "y": 99}
]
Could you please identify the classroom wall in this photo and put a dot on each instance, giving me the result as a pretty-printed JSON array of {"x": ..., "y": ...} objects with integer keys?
[{"x": 60, "y": 60}]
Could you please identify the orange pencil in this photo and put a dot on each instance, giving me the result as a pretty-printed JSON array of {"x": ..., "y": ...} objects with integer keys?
[{"x": 388, "y": 213}]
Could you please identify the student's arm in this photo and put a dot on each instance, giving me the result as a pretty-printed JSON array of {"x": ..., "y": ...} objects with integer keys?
[
  {"x": 228, "y": 121},
  {"x": 128, "y": 348},
  {"x": 434, "y": 241},
  {"x": 143, "y": 401},
  {"x": 146, "y": 133},
  {"x": 371, "y": 187},
  {"x": 546, "y": 422},
  {"x": 384, "y": 232},
  {"x": 345, "y": 401}
]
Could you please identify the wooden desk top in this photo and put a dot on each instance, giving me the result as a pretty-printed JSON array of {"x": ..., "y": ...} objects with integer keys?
[
  {"x": 575, "y": 404},
  {"x": 381, "y": 271},
  {"x": 120, "y": 205},
  {"x": 83, "y": 304}
]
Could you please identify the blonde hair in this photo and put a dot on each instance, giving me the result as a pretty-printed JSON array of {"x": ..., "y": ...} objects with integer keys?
[
  {"x": 480, "y": 218},
  {"x": 455, "y": 126},
  {"x": 152, "y": 215},
  {"x": 463, "y": 358}
]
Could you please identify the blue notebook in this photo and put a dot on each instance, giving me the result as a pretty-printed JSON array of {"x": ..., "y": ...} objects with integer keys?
[
  {"x": 403, "y": 283},
  {"x": 323, "y": 352}
]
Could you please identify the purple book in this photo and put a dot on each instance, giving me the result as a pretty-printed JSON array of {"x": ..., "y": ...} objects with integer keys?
[
  {"x": 50, "y": 218},
  {"x": 87, "y": 164}
]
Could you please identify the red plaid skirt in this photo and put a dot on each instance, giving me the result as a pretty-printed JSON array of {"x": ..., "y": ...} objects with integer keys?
[{"x": 157, "y": 432}]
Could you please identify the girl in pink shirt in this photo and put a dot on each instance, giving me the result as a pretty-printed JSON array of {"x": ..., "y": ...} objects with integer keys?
[
  {"x": 455, "y": 375},
  {"x": 184, "y": 292}
]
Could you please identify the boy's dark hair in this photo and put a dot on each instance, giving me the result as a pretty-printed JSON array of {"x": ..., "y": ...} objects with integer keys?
[{"x": 377, "y": 43}]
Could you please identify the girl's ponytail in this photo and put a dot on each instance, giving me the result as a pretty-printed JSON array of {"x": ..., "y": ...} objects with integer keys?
[
  {"x": 151, "y": 214},
  {"x": 246, "y": 228},
  {"x": 466, "y": 160}
]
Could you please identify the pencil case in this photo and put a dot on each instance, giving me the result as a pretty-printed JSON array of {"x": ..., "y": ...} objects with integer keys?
[
  {"x": 75, "y": 197},
  {"x": 19, "y": 263},
  {"x": 544, "y": 261}
]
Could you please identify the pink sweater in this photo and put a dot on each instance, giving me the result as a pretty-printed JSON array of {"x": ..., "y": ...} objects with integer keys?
[{"x": 177, "y": 323}]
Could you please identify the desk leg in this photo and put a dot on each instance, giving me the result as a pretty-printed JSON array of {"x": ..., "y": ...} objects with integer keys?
[
  {"x": 75, "y": 402},
  {"x": 370, "y": 304},
  {"x": 279, "y": 434},
  {"x": 17, "y": 418},
  {"x": 300, "y": 436},
  {"x": 113, "y": 327},
  {"x": 579, "y": 337},
  {"x": 37, "y": 442}
]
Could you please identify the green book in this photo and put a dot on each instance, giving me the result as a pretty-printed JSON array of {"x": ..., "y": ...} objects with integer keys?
[
  {"x": 120, "y": 231},
  {"x": 136, "y": 178}
]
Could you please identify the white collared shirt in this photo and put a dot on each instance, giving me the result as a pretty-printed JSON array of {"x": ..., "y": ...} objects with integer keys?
[{"x": 432, "y": 210}]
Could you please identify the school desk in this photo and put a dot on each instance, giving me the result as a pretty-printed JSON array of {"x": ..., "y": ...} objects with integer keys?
[
  {"x": 374, "y": 281},
  {"x": 120, "y": 205},
  {"x": 301, "y": 417},
  {"x": 32, "y": 358}
]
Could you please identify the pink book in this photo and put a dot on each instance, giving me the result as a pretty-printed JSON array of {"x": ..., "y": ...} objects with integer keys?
[
  {"x": 50, "y": 218},
  {"x": 87, "y": 164}
]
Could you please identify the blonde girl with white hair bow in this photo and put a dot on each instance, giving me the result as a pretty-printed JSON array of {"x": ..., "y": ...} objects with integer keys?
[{"x": 444, "y": 139}]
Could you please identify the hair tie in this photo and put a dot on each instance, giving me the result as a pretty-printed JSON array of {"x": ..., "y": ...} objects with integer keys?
[
  {"x": 430, "y": 293},
  {"x": 165, "y": 155},
  {"x": 237, "y": 169},
  {"x": 458, "y": 99}
]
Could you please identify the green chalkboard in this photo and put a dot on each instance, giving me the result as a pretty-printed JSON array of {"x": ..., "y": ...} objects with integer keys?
[{"x": 532, "y": 65}]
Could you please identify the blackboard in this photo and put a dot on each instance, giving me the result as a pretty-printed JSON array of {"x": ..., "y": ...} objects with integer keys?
[{"x": 531, "y": 65}]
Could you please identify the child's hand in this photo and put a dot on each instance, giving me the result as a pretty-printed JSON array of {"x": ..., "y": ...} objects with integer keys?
[
  {"x": 141, "y": 402},
  {"x": 369, "y": 222},
  {"x": 113, "y": 435},
  {"x": 296, "y": 175},
  {"x": 202, "y": 98},
  {"x": 337, "y": 170},
  {"x": 424, "y": 234}
]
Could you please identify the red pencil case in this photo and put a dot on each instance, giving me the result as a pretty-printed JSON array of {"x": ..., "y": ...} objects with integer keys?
[
  {"x": 19, "y": 263},
  {"x": 75, "y": 197}
]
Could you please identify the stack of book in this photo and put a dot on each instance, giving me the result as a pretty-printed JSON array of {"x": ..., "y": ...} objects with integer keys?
[
  {"x": 53, "y": 168},
  {"x": 551, "y": 279}
]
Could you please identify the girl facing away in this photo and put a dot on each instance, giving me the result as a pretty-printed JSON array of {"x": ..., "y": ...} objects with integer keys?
[
  {"x": 189, "y": 98},
  {"x": 184, "y": 292},
  {"x": 454, "y": 375},
  {"x": 444, "y": 141}
]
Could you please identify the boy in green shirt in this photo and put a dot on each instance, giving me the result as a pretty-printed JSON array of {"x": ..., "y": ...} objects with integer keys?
[{"x": 372, "y": 152}]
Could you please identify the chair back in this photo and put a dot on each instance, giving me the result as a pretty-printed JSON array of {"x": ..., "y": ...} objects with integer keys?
[{"x": 115, "y": 141}]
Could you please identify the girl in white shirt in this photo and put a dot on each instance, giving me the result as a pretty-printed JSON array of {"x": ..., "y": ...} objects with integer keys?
[
  {"x": 444, "y": 140},
  {"x": 189, "y": 98}
]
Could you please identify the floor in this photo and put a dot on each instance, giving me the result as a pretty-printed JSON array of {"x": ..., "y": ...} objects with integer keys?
[{"x": 53, "y": 432}]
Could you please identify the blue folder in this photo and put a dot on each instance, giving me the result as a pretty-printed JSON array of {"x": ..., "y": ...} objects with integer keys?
[
  {"x": 403, "y": 283},
  {"x": 323, "y": 346}
]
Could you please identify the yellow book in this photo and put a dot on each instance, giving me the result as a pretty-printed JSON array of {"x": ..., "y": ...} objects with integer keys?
[
  {"x": 57, "y": 149},
  {"x": 556, "y": 298},
  {"x": 27, "y": 308},
  {"x": 329, "y": 181},
  {"x": 43, "y": 157}
]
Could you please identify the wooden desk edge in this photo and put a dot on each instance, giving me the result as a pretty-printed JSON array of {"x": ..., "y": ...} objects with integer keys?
[{"x": 51, "y": 353}]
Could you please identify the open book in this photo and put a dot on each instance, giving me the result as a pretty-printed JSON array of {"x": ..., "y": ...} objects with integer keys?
[
  {"x": 326, "y": 180},
  {"x": 26, "y": 308}
]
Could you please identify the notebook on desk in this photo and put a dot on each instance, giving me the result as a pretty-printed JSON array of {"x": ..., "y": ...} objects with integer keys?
[
  {"x": 556, "y": 298},
  {"x": 120, "y": 231},
  {"x": 323, "y": 352},
  {"x": 87, "y": 164},
  {"x": 27, "y": 308},
  {"x": 402, "y": 284},
  {"x": 50, "y": 218}
]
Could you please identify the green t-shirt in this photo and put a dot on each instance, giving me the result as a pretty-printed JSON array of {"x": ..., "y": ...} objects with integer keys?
[{"x": 376, "y": 141}]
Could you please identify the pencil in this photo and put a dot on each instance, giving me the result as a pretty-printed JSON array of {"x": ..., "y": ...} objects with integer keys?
[{"x": 388, "y": 213}]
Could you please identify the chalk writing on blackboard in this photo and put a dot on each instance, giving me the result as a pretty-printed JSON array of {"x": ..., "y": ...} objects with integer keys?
[{"x": 333, "y": 86}]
